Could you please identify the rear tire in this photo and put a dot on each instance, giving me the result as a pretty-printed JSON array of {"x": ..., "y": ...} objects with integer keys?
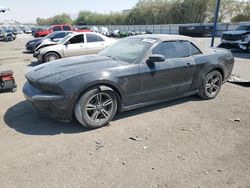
[
  {"x": 96, "y": 108},
  {"x": 211, "y": 85}
]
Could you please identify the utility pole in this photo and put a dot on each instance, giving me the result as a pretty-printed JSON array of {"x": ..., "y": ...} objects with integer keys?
[{"x": 215, "y": 21}]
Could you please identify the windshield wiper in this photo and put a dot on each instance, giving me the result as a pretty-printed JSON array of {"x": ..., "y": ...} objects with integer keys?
[{"x": 114, "y": 58}]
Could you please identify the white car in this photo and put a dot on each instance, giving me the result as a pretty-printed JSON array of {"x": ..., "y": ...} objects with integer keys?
[{"x": 74, "y": 44}]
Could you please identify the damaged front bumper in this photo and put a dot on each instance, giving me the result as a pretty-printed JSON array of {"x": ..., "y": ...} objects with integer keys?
[
  {"x": 55, "y": 106},
  {"x": 39, "y": 56}
]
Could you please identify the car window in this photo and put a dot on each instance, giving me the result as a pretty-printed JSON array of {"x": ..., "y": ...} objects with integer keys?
[
  {"x": 57, "y": 28},
  {"x": 176, "y": 49},
  {"x": 66, "y": 28},
  {"x": 243, "y": 27},
  {"x": 93, "y": 38},
  {"x": 76, "y": 39},
  {"x": 60, "y": 35},
  {"x": 194, "y": 50},
  {"x": 168, "y": 49}
]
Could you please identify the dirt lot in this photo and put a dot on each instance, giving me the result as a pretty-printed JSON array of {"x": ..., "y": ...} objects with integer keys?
[{"x": 185, "y": 143}]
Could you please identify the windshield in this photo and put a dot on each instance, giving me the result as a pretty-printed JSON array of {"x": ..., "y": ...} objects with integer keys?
[
  {"x": 243, "y": 27},
  {"x": 129, "y": 49},
  {"x": 66, "y": 38}
]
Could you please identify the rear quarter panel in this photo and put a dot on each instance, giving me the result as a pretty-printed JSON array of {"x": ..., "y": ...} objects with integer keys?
[{"x": 219, "y": 59}]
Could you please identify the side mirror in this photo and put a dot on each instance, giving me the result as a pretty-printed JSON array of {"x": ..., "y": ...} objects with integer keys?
[
  {"x": 66, "y": 43},
  {"x": 156, "y": 58}
]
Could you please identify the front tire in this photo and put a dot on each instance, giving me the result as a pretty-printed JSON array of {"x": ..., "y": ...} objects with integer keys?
[
  {"x": 211, "y": 85},
  {"x": 51, "y": 56},
  {"x": 96, "y": 108}
]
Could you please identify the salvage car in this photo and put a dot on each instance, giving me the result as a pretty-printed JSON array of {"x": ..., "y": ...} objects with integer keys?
[
  {"x": 73, "y": 45},
  {"x": 240, "y": 38},
  {"x": 132, "y": 73},
  {"x": 7, "y": 35},
  {"x": 53, "y": 28},
  {"x": 53, "y": 37}
]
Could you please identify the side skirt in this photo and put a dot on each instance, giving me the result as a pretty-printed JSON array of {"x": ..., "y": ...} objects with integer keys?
[{"x": 135, "y": 106}]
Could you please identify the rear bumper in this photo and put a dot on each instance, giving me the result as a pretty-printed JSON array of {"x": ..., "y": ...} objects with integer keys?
[{"x": 55, "y": 106}]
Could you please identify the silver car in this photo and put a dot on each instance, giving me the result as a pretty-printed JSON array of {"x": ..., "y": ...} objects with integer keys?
[{"x": 74, "y": 44}]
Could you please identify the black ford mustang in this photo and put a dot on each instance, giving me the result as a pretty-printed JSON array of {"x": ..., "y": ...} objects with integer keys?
[{"x": 134, "y": 72}]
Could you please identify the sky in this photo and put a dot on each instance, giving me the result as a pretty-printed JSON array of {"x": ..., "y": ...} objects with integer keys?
[{"x": 27, "y": 11}]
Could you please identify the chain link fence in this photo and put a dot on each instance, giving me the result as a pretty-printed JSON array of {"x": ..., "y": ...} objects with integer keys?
[{"x": 169, "y": 28}]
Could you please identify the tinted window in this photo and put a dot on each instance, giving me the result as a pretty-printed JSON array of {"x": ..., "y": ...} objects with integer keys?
[
  {"x": 243, "y": 27},
  {"x": 66, "y": 28},
  {"x": 93, "y": 38},
  {"x": 194, "y": 50},
  {"x": 60, "y": 35},
  {"x": 168, "y": 49},
  {"x": 176, "y": 49},
  {"x": 57, "y": 28},
  {"x": 76, "y": 39}
]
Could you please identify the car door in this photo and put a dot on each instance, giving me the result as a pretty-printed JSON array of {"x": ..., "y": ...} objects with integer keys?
[
  {"x": 75, "y": 46},
  {"x": 168, "y": 79},
  {"x": 95, "y": 43}
]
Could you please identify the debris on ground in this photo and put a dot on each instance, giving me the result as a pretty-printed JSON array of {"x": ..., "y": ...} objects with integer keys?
[
  {"x": 237, "y": 79},
  {"x": 144, "y": 147},
  {"x": 136, "y": 138},
  {"x": 237, "y": 119},
  {"x": 98, "y": 145},
  {"x": 181, "y": 157}
]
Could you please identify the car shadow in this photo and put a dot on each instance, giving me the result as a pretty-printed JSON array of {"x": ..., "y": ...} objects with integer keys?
[
  {"x": 23, "y": 118},
  {"x": 27, "y": 52},
  {"x": 241, "y": 54},
  {"x": 34, "y": 63}
]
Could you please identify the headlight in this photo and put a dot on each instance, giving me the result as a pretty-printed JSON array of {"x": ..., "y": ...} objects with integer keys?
[
  {"x": 36, "y": 53},
  {"x": 245, "y": 38}
]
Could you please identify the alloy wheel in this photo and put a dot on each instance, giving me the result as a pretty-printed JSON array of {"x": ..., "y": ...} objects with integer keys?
[
  {"x": 213, "y": 85},
  {"x": 99, "y": 108}
]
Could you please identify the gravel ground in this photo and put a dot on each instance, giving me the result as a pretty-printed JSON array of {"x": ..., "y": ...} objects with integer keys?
[{"x": 184, "y": 143}]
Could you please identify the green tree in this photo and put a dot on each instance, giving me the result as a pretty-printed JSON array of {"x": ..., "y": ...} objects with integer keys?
[{"x": 58, "y": 19}]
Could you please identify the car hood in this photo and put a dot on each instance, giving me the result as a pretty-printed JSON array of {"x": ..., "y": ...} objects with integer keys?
[
  {"x": 45, "y": 43},
  {"x": 56, "y": 71},
  {"x": 236, "y": 32},
  {"x": 35, "y": 40}
]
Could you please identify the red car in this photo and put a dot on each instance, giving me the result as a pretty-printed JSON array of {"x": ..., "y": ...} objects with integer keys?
[{"x": 56, "y": 28}]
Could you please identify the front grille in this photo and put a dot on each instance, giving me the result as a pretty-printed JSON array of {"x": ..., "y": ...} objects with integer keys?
[{"x": 231, "y": 37}]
